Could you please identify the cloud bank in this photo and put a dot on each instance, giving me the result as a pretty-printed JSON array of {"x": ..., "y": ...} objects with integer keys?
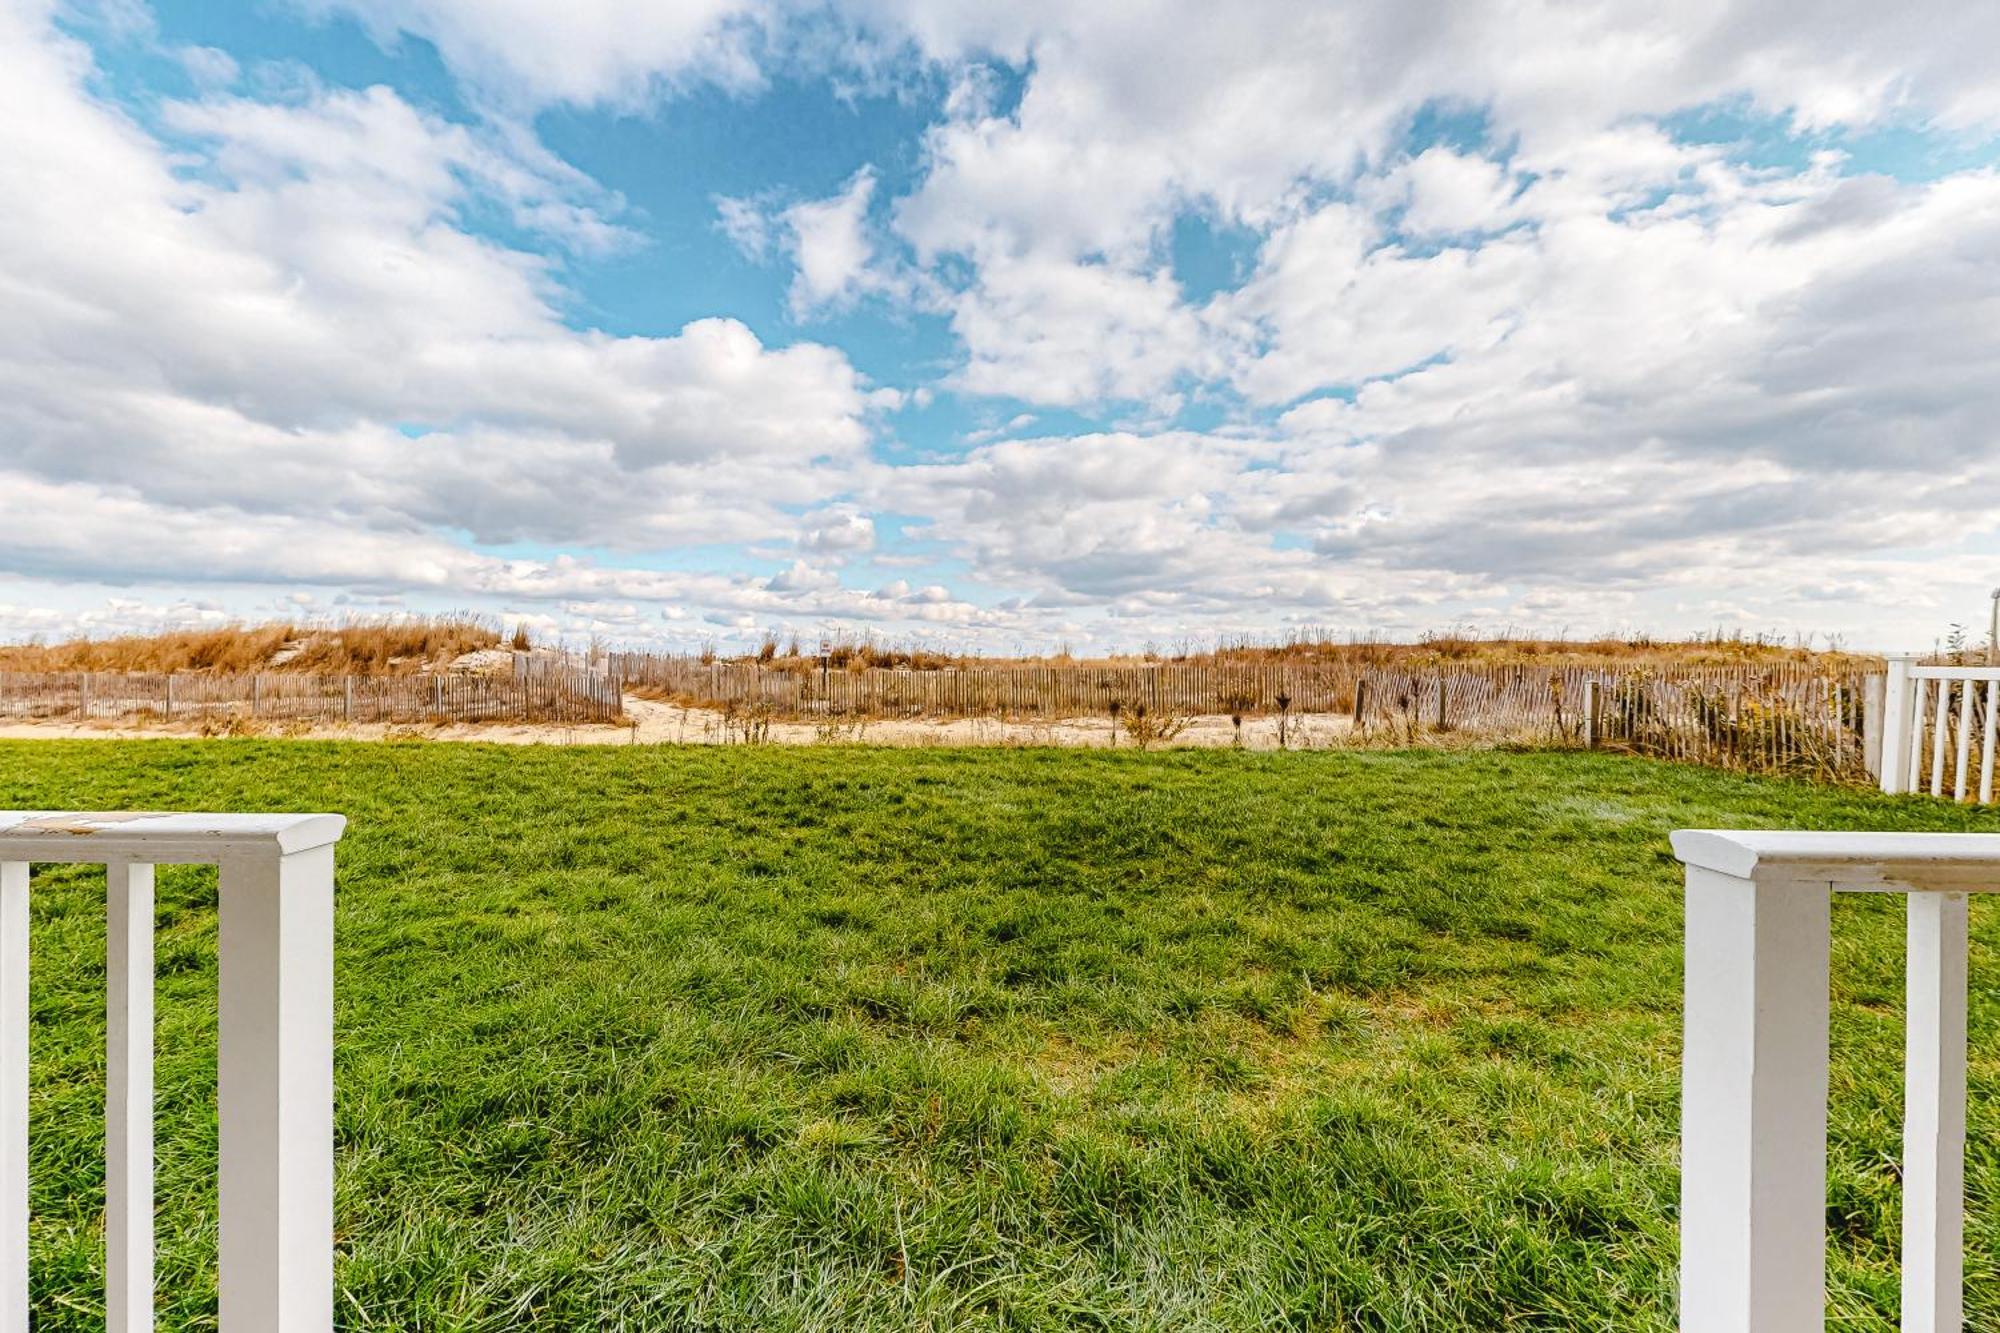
[{"x": 1376, "y": 316}]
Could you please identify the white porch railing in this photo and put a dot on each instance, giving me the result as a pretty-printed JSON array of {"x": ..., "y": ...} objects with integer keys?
[
  {"x": 1754, "y": 1074},
  {"x": 1930, "y": 716},
  {"x": 274, "y": 1057}
]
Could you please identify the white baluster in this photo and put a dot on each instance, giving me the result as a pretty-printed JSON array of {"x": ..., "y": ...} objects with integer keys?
[
  {"x": 1963, "y": 775},
  {"x": 1912, "y": 765},
  {"x": 128, "y": 1102},
  {"x": 1986, "y": 743},
  {"x": 1934, "y": 1115},
  {"x": 1941, "y": 735},
  {"x": 13, "y": 1097}
]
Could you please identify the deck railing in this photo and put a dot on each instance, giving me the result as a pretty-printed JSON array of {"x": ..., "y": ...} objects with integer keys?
[
  {"x": 274, "y": 1057},
  {"x": 1932, "y": 715},
  {"x": 1755, "y": 1058},
  {"x": 1754, "y": 1087}
]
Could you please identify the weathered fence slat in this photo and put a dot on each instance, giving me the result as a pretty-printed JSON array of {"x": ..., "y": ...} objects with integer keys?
[
  {"x": 541, "y": 691},
  {"x": 1782, "y": 717}
]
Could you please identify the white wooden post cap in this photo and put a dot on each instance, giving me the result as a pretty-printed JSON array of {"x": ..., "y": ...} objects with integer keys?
[
  {"x": 153, "y": 836},
  {"x": 1849, "y": 862}
]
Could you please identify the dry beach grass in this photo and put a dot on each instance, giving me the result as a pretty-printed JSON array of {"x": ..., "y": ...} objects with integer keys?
[{"x": 405, "y": 644}]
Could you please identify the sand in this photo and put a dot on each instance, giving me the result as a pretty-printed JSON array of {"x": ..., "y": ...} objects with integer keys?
[{"x": 650, "y": 722}]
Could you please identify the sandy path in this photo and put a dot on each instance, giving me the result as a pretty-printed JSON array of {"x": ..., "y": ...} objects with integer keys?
[
  {"x": 663, "y": 722},
  {"x": 651, "y": 722}
]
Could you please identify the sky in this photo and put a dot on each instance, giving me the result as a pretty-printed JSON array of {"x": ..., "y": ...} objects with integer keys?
[{"x": 1002, "y": 327}]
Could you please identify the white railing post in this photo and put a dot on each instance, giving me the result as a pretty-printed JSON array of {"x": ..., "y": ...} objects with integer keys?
[
  {"x": 275, "y": 1102},
  {"x": 1898, "y": 706},
  {"x": 128, "y": 1098},
  {"x": 1873, "y": 697},
  {"x": 1753, "y": 1107},
  {"x": 1753, "y": 1129},
  {"x": 1934, "y": 1115},
  {"x": 274, "y": 1057},
  {"x": 13, "y": 1096}
]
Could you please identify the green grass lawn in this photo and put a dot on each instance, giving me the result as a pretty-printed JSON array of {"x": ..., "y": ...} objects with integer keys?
[{"x": 910, "y": 1039}]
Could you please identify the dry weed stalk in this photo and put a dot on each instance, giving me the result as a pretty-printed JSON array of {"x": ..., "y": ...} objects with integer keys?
[
  {"x": 1238, "y": 704},
  {"x": 747, "y": 722},
  {"x": 1146, "y": 728}
]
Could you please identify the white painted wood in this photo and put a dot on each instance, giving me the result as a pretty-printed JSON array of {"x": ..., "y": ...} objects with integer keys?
[
  {"x": 275, "y": 1056},
  {"x": 1934, "y": 1116},
  {"x": 128, "y": 1103},
  {"x": 275, "y": 1059},
  {"x": 1873, "y": 696},
  {"x": 1753, "y": 1107},
  {"x": 1954, "y": 672},
  {"x": 1757, "y": 948},
  {"x": 1849, "y": 862},
  {"x": 1918, "y": 711},
  {"x": 1898, "y": 699},
  {"x": 13, "y": 1096},
  {"x": 1917, "y": 697},
  {"x": 1962, "y": 765},
  {"x": 55, "y": 835},
  {"x": 1940, "y": 729},
  {"x": 1989, "y": 732}
]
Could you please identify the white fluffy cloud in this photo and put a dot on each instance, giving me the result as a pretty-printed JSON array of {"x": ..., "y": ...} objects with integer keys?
[
  {"x": 1133, "y": 112},
  {"x": 1678, "y": 411},
  {"x": 1452, "y": 193},
  {"x": 1054, "y": 332},
  {"x": 298, "y": 365},
  {"x": 1562, "y": 364},
  {"x": 527, "y": 54},
  {"x": 832, "y": 244}
]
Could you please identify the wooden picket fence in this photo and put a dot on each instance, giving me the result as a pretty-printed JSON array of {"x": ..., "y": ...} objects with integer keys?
[
  {"x": 1789, "y": 720},
  {"x": 532, "y": 692},
  {"x": 1761, "y": 719},
  {"x": 1003, "y": 691},
  {"x": 1764, "y": 719}
]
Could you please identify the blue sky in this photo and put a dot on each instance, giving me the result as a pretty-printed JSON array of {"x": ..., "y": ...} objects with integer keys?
[{"x": 999, "y": 329}]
